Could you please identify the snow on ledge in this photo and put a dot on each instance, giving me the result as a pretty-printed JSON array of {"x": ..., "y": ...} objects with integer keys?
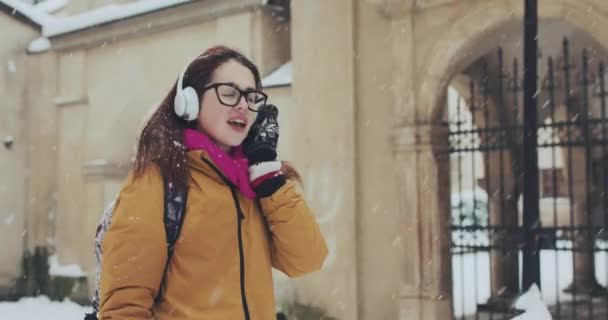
[
  {"x": 280, "y": 77},
  {"x": 69, "y": 270},
  {"x": 39, "y": 45}
]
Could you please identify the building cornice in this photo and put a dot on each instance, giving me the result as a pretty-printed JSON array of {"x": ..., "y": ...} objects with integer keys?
[{"x": 193, "y": 12}]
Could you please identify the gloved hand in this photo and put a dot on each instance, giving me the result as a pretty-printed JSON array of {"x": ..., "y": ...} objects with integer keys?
[
  {"x": 260, "y": 148},
  {"x": 261, "y": 142}
]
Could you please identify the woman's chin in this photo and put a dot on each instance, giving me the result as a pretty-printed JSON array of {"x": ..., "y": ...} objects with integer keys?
[
  {"x": 232, "y": 143},
  {"x": 235, "y": 141}
]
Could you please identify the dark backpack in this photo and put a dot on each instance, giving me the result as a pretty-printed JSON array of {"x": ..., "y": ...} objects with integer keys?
[{"x": 173, "y": 217}]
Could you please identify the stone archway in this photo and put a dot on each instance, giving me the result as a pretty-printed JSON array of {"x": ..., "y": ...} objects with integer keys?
[
  {"x": 474, "y": 32},
  {"x": 459, "y": 42}
]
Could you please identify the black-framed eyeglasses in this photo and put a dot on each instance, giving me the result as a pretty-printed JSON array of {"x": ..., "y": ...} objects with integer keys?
[{"x": 229, "y": 95}]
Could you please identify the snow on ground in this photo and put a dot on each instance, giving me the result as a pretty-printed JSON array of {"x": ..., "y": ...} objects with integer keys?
[
  {"x": 533, "y": 305},
  {"x": 41, "y": 308},
  {"x": 472, "y": 277},
  {"x": 470, "y": 269}
]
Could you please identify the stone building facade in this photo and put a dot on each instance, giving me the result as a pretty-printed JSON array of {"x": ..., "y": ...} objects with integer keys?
[{"x": 362, "y": 117}]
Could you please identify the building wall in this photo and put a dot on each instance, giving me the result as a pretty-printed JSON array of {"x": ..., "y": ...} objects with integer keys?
[{"x": 14, "y": 171}]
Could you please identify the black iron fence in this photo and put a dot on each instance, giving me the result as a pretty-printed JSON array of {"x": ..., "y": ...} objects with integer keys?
[{"x": 486, "y": 151}]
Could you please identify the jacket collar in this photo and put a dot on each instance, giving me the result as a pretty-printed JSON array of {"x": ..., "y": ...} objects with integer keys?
[
  {"x": 196, "y": 162},
  {"x": 206, "y": 156}
]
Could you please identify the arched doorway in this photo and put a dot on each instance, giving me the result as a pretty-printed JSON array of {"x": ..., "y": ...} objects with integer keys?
[{"x": 485, "y": 133}]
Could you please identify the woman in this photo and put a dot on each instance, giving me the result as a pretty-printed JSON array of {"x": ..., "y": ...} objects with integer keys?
[{"x": 243, "y": 214}]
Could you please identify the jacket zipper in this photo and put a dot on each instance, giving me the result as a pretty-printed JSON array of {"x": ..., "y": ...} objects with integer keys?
[{"x": 239, "y": 217}]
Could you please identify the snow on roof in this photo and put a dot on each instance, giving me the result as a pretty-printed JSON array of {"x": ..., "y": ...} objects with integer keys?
[
  {"x": 32, "y": 13},
  {"x": 52, "y": 6},
  {"x": 280, "y": 77},
  {"x": 103, "y": 15},
  {"x": 55, "y": 25}
]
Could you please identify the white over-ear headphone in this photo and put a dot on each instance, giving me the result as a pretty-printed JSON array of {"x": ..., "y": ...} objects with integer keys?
[{"x": 186, "y": 103}]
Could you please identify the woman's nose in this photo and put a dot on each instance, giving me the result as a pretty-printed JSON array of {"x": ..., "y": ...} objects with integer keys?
[{"x": 242, "y": 105}]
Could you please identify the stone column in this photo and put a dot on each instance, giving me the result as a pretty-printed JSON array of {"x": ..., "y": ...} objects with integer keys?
[
  {"x": 422, "y": 172},
  {"x": 503, "y": 211},
  {"x": 40, "y": 207},
  {"x": 584, "y": 280},
  {"x": 493, "y": 112},
  {"x": 323, "y": 122}
]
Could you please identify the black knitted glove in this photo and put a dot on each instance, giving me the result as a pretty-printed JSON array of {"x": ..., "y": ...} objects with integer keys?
[
  {"x": 260, "y": 148},
  {"x": 261, "y": 142}
]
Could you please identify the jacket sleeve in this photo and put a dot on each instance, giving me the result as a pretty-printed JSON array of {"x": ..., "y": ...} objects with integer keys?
[
  {"x": 297, "y": 245},
  {"x": 134, "y": 250}
]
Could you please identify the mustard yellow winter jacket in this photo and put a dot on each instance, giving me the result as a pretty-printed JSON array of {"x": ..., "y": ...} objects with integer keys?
[{"x": 221, "y": 265}]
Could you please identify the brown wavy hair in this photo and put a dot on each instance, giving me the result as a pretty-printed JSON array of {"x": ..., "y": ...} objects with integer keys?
[{"x": 160, "y": 141}]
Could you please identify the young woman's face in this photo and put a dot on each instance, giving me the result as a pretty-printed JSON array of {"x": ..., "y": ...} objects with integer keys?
[{"x": 227, "y": 126}]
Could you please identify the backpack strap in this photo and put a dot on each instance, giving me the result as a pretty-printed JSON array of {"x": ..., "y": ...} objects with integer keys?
[
  {"x": 174, "y": 213},
  {"x": 175, "y": 210}
]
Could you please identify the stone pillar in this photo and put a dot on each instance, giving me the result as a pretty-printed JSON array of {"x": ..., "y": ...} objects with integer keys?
[
  {"x": 422, "y": 172},
  {"x": 72, "y": 123},
  {"x": 584, "y": 280},
  {"x": 323, "y": 116},
  {"x": 420, "y": 168},
  {"x": 40, "y": 179},
  {"x": 503, "y": 211},
  {"x": 383, "y": 238},
  {"x": 493, "y": 110},
  {"x": 41, "y": 205},
  {"x": 14, "y": 149}
]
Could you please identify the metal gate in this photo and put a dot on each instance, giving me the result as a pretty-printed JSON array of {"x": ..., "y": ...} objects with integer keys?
[{"x": 486, "y": 155}]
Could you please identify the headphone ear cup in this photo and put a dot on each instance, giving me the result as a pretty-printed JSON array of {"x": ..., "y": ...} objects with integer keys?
[
  {"x": 179, "y": 105},
  {"x": 191, "y": 104}
]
